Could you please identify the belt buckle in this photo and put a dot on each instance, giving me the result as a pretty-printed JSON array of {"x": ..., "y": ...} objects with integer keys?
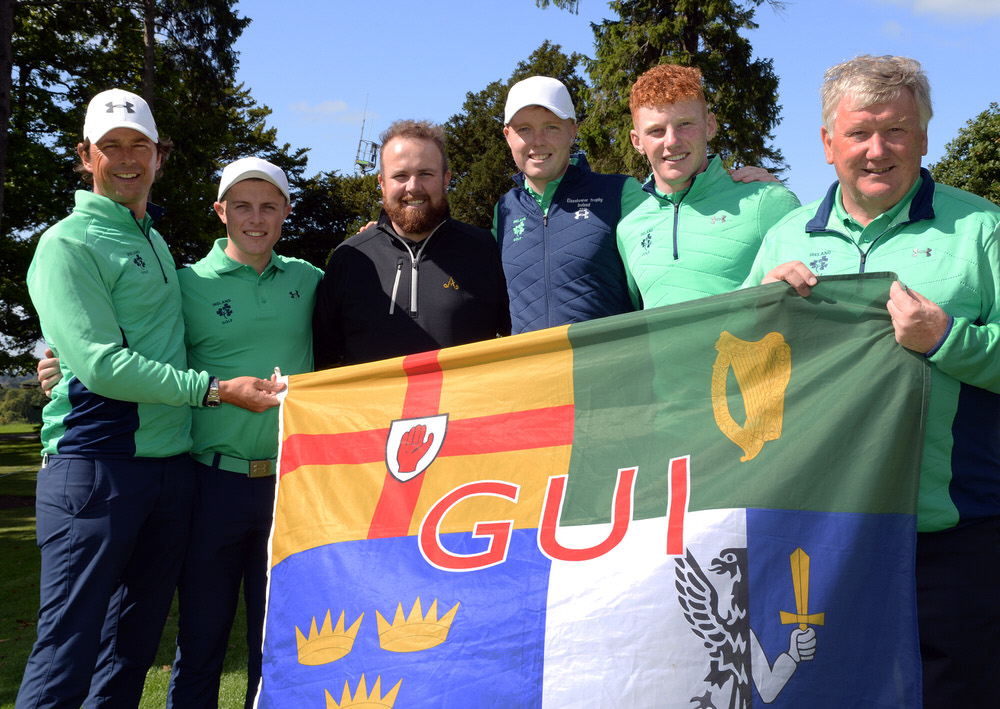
[{"x": 260, "y": 468}]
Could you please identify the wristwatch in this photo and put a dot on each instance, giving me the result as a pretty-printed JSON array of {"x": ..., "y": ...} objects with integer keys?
[{"x": 212, "y": 395}]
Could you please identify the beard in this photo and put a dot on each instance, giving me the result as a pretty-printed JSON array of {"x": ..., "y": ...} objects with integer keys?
[{"x": 416, "y": 221}]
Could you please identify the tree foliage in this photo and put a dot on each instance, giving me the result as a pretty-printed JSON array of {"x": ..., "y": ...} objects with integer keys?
[
  {"x": 972, "y": 160},
  {"x": 741, "y": 91},
  {"x": 329, "y": 208},
  {"x": 478, "y": 156},
  {"x": 22, "y": 405}
]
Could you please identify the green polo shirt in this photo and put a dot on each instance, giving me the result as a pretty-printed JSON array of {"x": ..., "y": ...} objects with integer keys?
[{"x": 240, "y": 323}]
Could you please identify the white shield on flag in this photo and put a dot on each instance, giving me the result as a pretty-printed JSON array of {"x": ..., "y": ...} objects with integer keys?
[{"x": 413, "y": 444}]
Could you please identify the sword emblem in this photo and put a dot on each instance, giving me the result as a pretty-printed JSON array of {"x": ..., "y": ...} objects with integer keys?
[{"x": 800, "y": 583}]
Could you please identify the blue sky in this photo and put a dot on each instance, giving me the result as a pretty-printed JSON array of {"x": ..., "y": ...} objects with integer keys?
[{"x": 315, "y": 63}]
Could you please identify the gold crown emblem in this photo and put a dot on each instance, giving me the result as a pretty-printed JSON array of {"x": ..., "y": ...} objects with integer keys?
[
  {"x": 361, "y": 698},
  {"x": 327, "y": 645},
  {"x": 415, "y": 632}
]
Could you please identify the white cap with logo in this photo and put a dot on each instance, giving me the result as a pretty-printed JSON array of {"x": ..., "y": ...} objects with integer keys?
[
  {"x": 541, "y": 91},
  {"x": 253, "y": 169},
  {"x": 117, "y": 108}
]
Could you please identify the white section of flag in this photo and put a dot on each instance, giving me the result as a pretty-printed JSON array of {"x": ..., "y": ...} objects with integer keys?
[{"x": 615, "y": 635}]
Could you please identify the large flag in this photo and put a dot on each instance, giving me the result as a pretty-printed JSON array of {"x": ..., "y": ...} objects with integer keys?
[{"x": 705, "y": 505}]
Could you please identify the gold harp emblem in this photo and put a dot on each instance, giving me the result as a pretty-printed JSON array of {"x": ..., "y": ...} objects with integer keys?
[{"x": 762, "y": 371}]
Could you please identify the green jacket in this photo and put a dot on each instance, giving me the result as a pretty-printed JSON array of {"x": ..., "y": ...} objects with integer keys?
[
  {"x": 699, "y": 242},
  {"x": 106, "y": 291},
  {"x": 943, "y": 243}
]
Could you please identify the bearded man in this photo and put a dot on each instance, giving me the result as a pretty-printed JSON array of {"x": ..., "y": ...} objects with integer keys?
[{"x": 417, "y": 280}]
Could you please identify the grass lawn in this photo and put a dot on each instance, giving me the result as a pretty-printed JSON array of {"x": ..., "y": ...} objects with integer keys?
[{"x": 19, "y": 569}]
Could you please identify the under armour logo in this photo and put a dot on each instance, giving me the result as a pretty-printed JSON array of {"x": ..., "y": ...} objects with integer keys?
[
  {"x": 719, "y": 219},
  {"x": 294, "y": 294},
  {"x": 922, "y": 252},
  {"x": 582, "y": 214},
  {"x": 112, "y": 106}
]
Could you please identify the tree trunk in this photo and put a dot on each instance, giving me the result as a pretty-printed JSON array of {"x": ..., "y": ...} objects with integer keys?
[
  {"x": 6, "y": 78},
  {"x": 149, "y": 50}
]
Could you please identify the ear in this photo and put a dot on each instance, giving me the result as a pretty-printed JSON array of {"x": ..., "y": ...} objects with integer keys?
[
  {"x": 636, "y": 143},
  {"x": 824, "y": 134},
  {"x": 288, "y": 210},
  {"x": 220, "y": 209},
  {"x": 84, "y": 157},
  {"x": 712, "y": 125},
  {"x": 447, "y": 178},
  {"x": 380, "y": 185}
]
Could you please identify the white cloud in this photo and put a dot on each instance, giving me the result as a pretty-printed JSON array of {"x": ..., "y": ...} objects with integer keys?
[
  {"x": 893, "y": 29},
  {"x": 958, "y": 9},
  {"x": 328, "y": 112}
]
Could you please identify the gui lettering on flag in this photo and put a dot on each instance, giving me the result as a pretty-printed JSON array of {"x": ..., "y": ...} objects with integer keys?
[{"x": 710, "y": 504}]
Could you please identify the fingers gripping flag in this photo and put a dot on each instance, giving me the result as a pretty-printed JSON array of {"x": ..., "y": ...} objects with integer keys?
[{"x": 705, "y": 505}]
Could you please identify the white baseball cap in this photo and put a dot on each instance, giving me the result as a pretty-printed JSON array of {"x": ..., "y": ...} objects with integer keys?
[
  {"x": 117, "y": 108},
  {"x": 253, "y": 169},
  {"x": 541, "y": 91}
]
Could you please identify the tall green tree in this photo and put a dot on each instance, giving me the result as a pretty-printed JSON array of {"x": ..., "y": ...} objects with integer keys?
[
  {"x": 972, "y": 160},
  {"x": 741, "y": 91},
  {"x": 478, "y": 156},
  {"x": 180, "y": 55}
]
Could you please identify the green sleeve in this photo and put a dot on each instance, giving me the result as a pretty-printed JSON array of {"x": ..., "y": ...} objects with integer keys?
[
  {"x": 72, "y": 296},
  {"x": 970, "y": 352},
  {"x": 775, "y": 203},
  {"x": 763, "y": 262},
  {"x": 632, "y": 196}
]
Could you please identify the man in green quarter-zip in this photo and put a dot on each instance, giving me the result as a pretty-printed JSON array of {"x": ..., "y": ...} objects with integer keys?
[
  {"x": 115, "y": 487},
  {"x": 886, "y": 213},
  {"x": 696, "y": 232}
]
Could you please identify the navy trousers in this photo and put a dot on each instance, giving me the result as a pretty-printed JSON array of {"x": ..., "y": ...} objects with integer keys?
[
  {"x": 958, "y": 606},
  {"x": 112, "y": 534},
  {"x": 229, "y": 532}
]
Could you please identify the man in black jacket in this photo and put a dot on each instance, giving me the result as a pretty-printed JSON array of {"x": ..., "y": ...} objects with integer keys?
[{"x": 417, "y": 280}]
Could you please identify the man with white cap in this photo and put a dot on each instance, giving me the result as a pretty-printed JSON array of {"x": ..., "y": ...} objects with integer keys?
[
  {"x": 557, "y": 229},
  {"x": 246, "y": 309},
  {"x": 116, "y": 484}
]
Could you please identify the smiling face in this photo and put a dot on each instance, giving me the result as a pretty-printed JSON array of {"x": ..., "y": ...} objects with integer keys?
[
  {"x": 413, "y": 182},
  {"x": 123, "y": 163},
  {"x": 540, "y": 143},
  {"x": 674, "y": 138},
  {"x": 252, "y": 211},
  {"x": 876, "y": 151}
]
